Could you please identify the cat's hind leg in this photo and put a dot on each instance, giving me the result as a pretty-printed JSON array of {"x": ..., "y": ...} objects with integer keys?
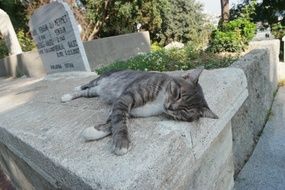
[
  {"x": 91, "y": 84},
  {"x": 89, "y": 92},
  {"x": 82, "y": 87}
]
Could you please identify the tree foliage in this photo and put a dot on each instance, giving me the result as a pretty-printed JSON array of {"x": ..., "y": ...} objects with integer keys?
[
  {"x": 182, "y": 21},
  {"x": 271, "y": 11},
  {"x": 107, "y": 18},
  {"x": 246, "y": 10},
  {"x": 19, "y": 16},
  {"x": 166, "y": 20},
  {"x": 268, "y": 11},
  {"x": 15, "y": 10},
  {"x": 234, "y": 35}
]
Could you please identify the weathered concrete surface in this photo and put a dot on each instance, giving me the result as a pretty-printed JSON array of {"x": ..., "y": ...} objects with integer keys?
[
  {"x": 165, "y": 154},
  {"x": 260, "y": 68},
  {"x": 273, "y": 47},
  {"x": 265, "y": 169},
  {"x": 215, "y": 169}
]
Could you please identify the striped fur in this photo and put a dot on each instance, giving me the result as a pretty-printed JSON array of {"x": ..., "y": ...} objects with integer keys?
[{"x": 142, "y": 94}]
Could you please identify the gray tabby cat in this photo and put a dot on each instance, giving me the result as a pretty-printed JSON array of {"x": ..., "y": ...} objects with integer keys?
[{"x": 142, "y": 94}]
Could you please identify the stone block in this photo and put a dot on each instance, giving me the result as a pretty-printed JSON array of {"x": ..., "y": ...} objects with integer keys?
[
  {"x": 165, "y": 154},
  {"x": 260, "y": 68},
  {"x": 105, "y": 51},
  {"x": 27, "y": 63}
]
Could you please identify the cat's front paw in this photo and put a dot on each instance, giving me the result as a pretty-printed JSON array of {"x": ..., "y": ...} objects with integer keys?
[
  {"x": 77, "y": 88},
  {"x": 66, "y": 98},
  {"x": 121, "y": 145}
]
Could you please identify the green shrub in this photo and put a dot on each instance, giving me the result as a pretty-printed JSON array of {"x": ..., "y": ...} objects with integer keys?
[
  {"x": 3, "y": 49},
  {"x": 25, "y": 41},
  {"x": 226, "y": 41},
  {"x": 278, "y": 30},
  {"x": 150, "y": 61},
  {"x": 155, "y": 46},
  {"x": 232, "y": 36},
  {"x": 247, "y": 28},
  {"x": 170, "y": 60}
]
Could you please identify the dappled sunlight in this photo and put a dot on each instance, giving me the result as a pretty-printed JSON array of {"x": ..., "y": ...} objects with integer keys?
[
  {"x": 12, "y": 94},
  {"x": 12, "y": 101},
  {"x": 8, "y": 84}
]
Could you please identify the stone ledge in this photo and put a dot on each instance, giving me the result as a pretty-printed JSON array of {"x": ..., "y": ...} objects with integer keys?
[
  {"x": 261, "y": 67},
  {"x": 45, "y": 133}
]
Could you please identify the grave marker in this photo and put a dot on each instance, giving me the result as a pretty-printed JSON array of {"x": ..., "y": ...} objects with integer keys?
[
  {"x": 57, "y": 37},
  {"x": 8, "y": 32}
]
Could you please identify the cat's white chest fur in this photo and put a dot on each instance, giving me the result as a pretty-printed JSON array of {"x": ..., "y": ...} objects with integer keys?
[{"x": 151, "y": 108}]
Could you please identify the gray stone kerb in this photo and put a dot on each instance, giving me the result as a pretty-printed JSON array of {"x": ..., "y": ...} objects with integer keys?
[{"x": 46, "y": 134}]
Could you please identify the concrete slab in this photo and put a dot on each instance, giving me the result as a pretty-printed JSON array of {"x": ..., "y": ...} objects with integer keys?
[
  {"x": 265, "y": 169},
  {"x": 45, "y": 133}
]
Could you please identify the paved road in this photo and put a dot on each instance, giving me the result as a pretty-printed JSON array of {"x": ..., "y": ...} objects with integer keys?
[
  {"x": 5, "y": 183},
  {"x": 265, "y": 169}
]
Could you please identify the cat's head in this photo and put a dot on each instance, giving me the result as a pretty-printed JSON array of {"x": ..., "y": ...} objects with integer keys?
[{"x": 185, "y": 100}]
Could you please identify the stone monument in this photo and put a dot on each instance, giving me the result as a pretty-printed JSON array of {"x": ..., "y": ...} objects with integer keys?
[
  {"x": 9, "y": 35},
  {"x": 57, "y": 37}
]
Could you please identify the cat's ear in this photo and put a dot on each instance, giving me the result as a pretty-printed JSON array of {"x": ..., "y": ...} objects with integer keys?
[
  {"x": 194, "y": 75},
  {"x": 209, "y": 113}
]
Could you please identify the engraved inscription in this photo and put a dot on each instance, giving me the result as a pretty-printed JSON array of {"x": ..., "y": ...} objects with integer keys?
[{"x": 57, "y": 38}]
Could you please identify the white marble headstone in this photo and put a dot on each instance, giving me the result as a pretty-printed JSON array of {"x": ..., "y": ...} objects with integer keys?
[
  {"x": 8, "y": 32},
  {"x": 55, "y": 31}
]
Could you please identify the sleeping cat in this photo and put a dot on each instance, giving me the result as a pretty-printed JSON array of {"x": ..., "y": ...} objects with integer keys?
[{"x": 142, "y": 94}]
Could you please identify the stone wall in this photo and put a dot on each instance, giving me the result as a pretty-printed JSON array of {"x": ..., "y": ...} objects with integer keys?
[
  {"x": 261, "y": 69},
  {"x": 99, "y": 52},
  {"x": 27, "y": 63},
  {"x": 105, "y": 51}
]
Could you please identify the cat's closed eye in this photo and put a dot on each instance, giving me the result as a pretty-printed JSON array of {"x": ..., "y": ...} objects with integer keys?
[{"x": 178, "y": 97}]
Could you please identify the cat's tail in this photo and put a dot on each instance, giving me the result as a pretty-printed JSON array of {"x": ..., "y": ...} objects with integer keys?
[{"x": 97, "y": 132}]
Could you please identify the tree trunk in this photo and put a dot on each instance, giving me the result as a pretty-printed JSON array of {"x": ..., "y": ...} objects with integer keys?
[
  {"x": 95, "y": 31},
  {"x": 225, "y": 10}
]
